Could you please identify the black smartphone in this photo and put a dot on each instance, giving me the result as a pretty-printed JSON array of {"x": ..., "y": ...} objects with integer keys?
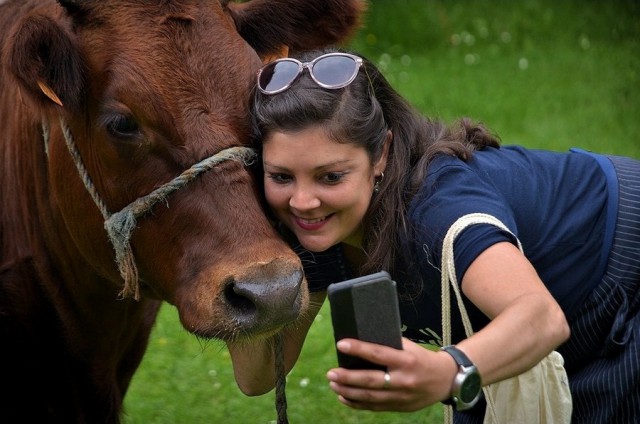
[{"x": 365, "y": 308}]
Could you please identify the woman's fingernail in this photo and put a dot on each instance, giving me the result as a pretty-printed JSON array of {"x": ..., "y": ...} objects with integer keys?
[
  {"x": 332, "y": 376},
  {"x": 343, "y": 345}
]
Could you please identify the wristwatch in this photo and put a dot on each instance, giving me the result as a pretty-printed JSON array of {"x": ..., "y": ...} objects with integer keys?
[{"x": 467, "y": 385}]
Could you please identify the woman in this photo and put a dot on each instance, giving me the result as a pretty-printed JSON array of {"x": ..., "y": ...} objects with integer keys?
[{"x": 362, "y": 183}]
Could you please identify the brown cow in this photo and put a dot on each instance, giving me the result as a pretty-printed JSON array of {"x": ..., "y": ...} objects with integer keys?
[{"x": 101, "y": 103}]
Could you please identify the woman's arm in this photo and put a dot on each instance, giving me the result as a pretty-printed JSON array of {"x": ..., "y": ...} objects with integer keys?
[
  {"x": 527, "y": 324},
  {"x": 254, "y": 361}
]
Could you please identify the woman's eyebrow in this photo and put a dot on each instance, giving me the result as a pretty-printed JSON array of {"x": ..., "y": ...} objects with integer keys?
[{"x": 319, "y": 167}]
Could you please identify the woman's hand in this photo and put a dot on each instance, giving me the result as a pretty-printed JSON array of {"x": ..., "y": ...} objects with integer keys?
[{"x": 418, "y": 377}]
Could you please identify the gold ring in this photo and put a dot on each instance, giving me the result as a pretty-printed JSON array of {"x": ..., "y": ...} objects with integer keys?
[{"x": 387, "y": 381}]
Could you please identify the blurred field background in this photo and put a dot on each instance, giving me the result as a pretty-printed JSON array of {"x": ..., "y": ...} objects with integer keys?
[{"x": 541, "y": 73}]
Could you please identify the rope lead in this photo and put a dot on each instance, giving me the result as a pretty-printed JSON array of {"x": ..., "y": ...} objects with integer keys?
[{"x": 281, "y": 381}]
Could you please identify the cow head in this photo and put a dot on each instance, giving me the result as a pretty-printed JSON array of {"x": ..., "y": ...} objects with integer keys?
[{"x": 147, "y": 89}]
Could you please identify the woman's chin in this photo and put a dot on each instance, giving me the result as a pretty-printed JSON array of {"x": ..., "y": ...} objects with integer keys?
[{"x": 315, "y": 245}]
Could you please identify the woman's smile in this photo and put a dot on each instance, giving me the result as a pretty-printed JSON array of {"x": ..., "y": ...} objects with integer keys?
[{"x": 311, "y": 224}]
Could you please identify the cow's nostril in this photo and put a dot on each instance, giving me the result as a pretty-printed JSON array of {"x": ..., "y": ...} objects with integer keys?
[
  {"x": 259, "y": 304},
  {"x": 240, "y": 299}
]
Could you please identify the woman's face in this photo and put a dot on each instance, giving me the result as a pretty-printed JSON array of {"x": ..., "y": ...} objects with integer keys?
[{"x": 317, "y": 187}]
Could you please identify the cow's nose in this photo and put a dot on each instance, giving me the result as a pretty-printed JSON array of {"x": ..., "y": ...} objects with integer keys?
[{"x": 259, "y": 306}]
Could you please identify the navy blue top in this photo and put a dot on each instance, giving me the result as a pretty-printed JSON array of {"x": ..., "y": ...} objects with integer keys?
[{"x": 557, "y": 204}]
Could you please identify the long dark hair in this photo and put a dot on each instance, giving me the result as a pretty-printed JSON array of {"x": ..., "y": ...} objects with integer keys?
[{"x": 362, "y": 113}]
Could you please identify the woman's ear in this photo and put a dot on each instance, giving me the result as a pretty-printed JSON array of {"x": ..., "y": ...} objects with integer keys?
[{"x": 381, "y": 164}]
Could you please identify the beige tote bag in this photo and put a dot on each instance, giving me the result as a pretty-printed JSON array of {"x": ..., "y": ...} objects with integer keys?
[{"x": 538, "y": 396}]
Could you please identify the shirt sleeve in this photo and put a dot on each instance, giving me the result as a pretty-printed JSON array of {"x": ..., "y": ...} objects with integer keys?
[{"x": 452, "y": 190}]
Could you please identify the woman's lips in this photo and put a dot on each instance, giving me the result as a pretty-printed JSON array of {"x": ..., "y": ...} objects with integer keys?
[{"x": 311, "y": 224}]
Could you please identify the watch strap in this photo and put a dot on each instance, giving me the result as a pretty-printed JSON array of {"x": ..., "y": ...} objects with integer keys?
[{"x": 461, "y": 359}]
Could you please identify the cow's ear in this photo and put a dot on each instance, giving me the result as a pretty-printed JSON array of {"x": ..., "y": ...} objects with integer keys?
[
  {"x": 298, "y": 24},
  {"x": 43, "y": 57}
]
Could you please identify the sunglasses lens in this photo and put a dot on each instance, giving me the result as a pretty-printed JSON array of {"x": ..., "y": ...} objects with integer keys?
[
  {"x": 278, "y": 75},
  {"x": 335, "y": 71}
]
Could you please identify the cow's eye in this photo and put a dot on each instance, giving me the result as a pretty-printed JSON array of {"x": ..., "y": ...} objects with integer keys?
[{"x": 123, "y": 126}]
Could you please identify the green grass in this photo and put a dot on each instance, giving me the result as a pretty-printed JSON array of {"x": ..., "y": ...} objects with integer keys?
[
  {"x": 539, "y": 73},
  {"x": 544, "y": 73},
  {"x": 185, "y": 381}
]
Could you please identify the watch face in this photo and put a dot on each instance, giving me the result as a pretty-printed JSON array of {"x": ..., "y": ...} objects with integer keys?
[{"x": 470, "y": 387}]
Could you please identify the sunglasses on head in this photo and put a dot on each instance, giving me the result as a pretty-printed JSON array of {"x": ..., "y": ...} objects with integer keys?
[{"x": 331, "y": 70}]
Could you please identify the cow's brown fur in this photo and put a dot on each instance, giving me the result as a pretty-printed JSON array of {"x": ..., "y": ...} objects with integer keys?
[{"x": 174, "y": 77}]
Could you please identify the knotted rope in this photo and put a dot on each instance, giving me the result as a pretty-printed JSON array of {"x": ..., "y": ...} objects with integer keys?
[{"x": 121, "y": 224}]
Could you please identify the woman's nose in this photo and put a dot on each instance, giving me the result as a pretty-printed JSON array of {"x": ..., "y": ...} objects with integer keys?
[{"x": 303, "y": 198}]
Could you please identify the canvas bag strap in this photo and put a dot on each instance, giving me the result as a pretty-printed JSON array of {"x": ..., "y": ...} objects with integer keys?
[
  {"x": 450, "y": 281},
  {"x": 448, "y": 270}
]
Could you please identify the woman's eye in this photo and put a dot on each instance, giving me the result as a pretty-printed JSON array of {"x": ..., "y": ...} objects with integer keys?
[
  {"x": 333, "y": 177},
  {"x": 279, "y": 178},
  {"x": 123, "y": 126}
]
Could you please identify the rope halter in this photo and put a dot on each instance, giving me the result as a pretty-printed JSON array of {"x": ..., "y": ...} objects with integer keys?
[{"x": 120, "y": 225}]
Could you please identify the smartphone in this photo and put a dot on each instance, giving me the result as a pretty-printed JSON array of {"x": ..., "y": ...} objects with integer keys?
[{"x": 365, "y": 308}]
